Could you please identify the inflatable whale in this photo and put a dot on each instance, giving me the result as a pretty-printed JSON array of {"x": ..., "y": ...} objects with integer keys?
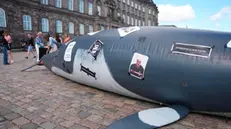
[{"x": 183, "y": 69}]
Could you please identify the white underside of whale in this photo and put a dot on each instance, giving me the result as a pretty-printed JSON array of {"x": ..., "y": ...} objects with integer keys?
[{"x": 104, "y": 81}]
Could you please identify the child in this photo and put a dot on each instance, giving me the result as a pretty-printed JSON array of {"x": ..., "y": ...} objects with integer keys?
[{"x": 30, "y": 43}]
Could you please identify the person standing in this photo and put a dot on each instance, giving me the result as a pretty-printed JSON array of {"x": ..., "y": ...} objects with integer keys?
[
  {"x": 51, "y": 43},
  {"x": 30, "y": 43},
  {"x": 67, "y": 38},
  {"x": 38, "y": 44},
  {"x": 9, "y": 40},
  {"x": 5, "y": 46}
]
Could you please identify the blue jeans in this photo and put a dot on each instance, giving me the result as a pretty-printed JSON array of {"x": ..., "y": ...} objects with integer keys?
[{"x": 5, "y": 55}]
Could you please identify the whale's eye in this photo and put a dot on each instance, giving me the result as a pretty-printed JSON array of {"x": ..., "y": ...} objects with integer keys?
[{"x": 184, "y": 83}]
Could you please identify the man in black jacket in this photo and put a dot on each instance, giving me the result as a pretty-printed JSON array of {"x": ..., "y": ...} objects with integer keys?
[{"x": 5, "y": 45}]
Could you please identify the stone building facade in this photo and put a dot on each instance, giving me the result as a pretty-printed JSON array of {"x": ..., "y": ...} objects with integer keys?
[{"x": 75, "y": 17}]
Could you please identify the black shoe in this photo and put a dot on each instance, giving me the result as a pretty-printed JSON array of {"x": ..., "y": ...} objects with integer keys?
[
  {"x": 34, "y": 57},
  {"x": 7, "y": 64},
  {"x": 26, "y": 57}
]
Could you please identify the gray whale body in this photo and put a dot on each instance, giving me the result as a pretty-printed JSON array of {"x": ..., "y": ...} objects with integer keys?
[{"x": 166, "y": 65}]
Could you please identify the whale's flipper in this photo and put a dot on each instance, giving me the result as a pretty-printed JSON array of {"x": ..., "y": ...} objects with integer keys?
[{"x": 151, "y": 118}]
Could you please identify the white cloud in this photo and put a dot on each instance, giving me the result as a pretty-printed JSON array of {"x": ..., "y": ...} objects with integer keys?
[
  {"x": 221, "y": 13},
  {"x": 171, "y": 13},
  {"x": 218, "y": 25}
]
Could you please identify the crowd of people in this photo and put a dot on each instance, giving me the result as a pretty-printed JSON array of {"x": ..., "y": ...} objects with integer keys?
[{"x": 41, "y": 41}]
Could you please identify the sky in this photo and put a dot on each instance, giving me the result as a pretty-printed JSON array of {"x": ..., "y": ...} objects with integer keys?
[{"x": 198, "y": 14}]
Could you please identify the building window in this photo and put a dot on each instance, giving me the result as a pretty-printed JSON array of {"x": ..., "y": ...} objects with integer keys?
[
  {"x": 124, "y": 1},
  {"x": 27, "y": 22},
  {"x": 90, "y": 28},
  {"x": 59, "y": 26},
  {"x": 139, "y": 7},
  {"x": 149, "y": 11},
  {"x": 44, "y": 2},
  {"x": 139, "y": 23},
  {"x": 124, "y": 18},
  {"x": 2, "y": 18},
  {"x": 135, "y": 5},
  {"x": 90, "y": 8},
  {"x": 110, "y": 12},
  {"x": 132, "y": 20},
  {"x": 81, "y": 6},
  {"x": 149, "y": 22},
  {"x": 71, "y": 28},
  {"x": 59, "y": 3},
  {"x": 135, "y": 22},
  {"x": 128, "y": 2},
  {"x": 45, "y": 25},
  {"x": 70, "y": 5},
  {"x": 99, "y": 8},
  {"x": 132, "y": 4},
  {"x": 101, "y": 27},
  {"x": 118, "y": 14},
  {"x": 81, "y": 29},
  {"x": 128, "y": 19},
  {"x": 143, "y": 9}
]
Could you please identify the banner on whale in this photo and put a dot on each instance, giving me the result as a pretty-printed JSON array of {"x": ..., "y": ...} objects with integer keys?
[{"x": 192, "y": 50}]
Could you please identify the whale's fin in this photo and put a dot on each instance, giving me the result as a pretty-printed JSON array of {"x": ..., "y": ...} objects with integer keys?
[{"x": 151, "y": 118}]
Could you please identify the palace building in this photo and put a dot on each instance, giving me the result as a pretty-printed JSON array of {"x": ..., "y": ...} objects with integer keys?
[{"x": 75, "y": 17}]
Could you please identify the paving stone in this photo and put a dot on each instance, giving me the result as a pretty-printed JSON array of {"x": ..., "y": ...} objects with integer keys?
[
  {"x": 6, "y": 125},
  {"x": 14, "y": 127},
  {"x": 48, "y": 125},
  {"x": 95, "y": 118},
  {"x": 50, "y": 110},
  {"x": 12, "y": 116},
  {"x": 89, "y": 124},
  {"x": 106, "y": 121},
  {"x": 32, "y": 116},
  {"x": 20, "y": 121},
  {"x": 67, "y": 124},
  {"x": 4, "y": 111},
  {"x": 178, "y": 126},
  {"x": 77, "y": 126},
  {"x": 2, "y": 119},
  {"x": 83, "y": 114},
  {"x": 29, "y": 126},
  {"x": 38, "y": 120},
  {"x": 60, "y": 127},
  {"x": 186, "y": 123},
  {"x": 31, "y": 109}
]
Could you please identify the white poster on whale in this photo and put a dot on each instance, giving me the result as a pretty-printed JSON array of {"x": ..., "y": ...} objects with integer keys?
[
  {"x": 68, "y": 51},
  {"x": 138, "y": 65},
  {"x": 127, "y": 30},
  {"x": 229, "y": 44}
]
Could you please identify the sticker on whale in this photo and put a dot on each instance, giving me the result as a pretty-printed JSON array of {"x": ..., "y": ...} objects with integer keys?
[
  {"x": 95, "y": 48},
  {"x": 127, "y": 30},
  {"x": 229, "y": 44},
  {"x": 138, "y": 65}
]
